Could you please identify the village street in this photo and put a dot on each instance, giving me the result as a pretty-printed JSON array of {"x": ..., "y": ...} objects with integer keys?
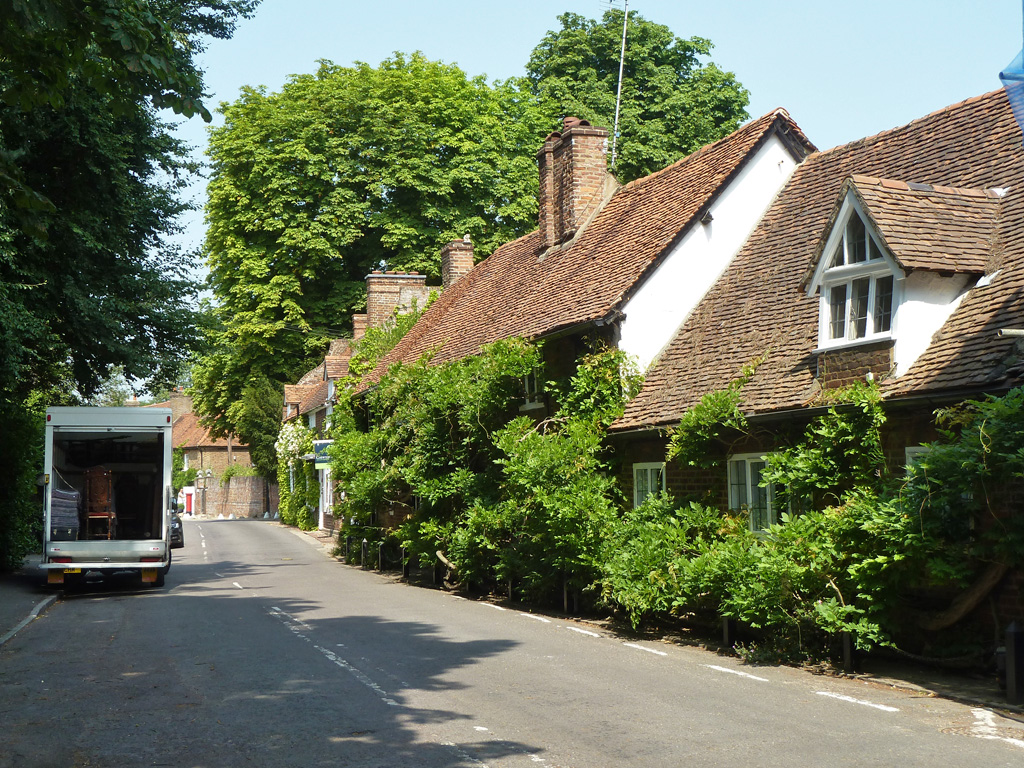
[{"x": 262, "y": 650}]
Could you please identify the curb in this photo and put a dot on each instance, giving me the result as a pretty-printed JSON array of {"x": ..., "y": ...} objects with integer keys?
[{"x": 42, "y": 606}]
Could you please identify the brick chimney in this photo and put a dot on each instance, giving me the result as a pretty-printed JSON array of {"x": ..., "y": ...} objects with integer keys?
[
  {"x": 456, "y": 261},
  {"x": 388, "y": 291},
  {"x": 573, "y": 179},
  {"x": 358, "y": 327}
]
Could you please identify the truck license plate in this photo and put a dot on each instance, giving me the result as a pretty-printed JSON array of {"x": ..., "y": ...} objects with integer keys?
[
  {"x": 72, "y": 570},
  {"x": 148, "y": 574}
]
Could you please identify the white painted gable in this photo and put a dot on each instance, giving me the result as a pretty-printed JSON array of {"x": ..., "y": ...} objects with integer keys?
[{"x": 672, "y": 291}]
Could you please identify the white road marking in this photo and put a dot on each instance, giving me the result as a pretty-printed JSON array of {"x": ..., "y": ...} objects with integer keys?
[
  {"x": 295, "y": 624},
  {"x": 852, "y": 700},
  {"x": 237, "y": 585},
  {"x": 463, "y": 754},
  {"x": 641, "y": 648},
  {"x": 534, "y": 616},
  {"x": 736, "y": 672},
  {"x": 203, "y": 542},
  {"x": 479, "y": 728},
  {"x": 219, "y": 575},
  {"x": 985, "y": 728},
  {"x": 495, "y": 607},
  {"x": 583, "y": 631}
]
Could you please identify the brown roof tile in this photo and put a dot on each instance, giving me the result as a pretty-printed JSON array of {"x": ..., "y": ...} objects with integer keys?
[
  {"x": 187, "y": 432},
  {"x": 513, "y": 292},
  {"x": 759, "y": 305},
  {"x": 314, "y": 398},
  {"x": 932, "y": 227}
]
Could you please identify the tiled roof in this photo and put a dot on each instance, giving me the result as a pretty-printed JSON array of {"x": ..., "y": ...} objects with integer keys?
[
  {"x": 312, "y": 376},
  {"x": 337, "y": 366},
  {"x": 313, "y": 398},
  {"x": 513, "y": 292},
  {"x": 187, "y": 432},
  {"x": 932, "y": 227},
  {"x": 759, "y": 304}
]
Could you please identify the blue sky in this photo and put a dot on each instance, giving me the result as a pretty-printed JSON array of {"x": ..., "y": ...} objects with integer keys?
[{"x": 842, "y": 70}]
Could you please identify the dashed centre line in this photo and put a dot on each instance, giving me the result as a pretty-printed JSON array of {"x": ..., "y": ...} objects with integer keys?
[
  {"x": 851, "y": 700},
  {"x": 536, "y": 617},
  {"x": 648, "y": 650},
  {"x": 736, "y": 672},
  {"x": 583, "y": 631}
]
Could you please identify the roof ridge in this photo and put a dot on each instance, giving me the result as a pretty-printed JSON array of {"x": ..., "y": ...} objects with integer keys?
[
  {"x": 914, "y": 186},
  {"x": 930, "y": 116},
  {"x": 769, "y": 117}
]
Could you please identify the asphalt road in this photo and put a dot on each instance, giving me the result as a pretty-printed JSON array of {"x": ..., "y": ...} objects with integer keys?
[{"x": 262, "y": 651}]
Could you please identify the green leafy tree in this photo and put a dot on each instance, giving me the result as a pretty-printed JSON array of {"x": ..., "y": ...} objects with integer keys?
[
  {"x": 90, "y": 178},
  {"x": 343, "y": 170},
  {"x": 673, "y": 102},
  {"x": 258, "y": 418}
]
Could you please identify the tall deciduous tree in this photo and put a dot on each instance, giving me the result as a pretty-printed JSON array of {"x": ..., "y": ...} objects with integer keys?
[
  {"x": 89, "y": 182},
  {"x": 672, "y": 101},
  {"x": 340, "y": 171}
]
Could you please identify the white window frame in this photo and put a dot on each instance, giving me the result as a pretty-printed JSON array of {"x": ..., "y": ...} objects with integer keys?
[
  {"x": 533, "y": 396},
  {"x": 913, "y": 452},
  {"x": 643, "y": 469},
  {"x": 879, "y": 265},
  {"x": 750, "y": 490}
]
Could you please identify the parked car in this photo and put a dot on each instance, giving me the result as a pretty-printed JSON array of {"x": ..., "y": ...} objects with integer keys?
[{"x": 177, "y": 531}]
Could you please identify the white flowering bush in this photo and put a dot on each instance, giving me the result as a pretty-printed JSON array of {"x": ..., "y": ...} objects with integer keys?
[
  {"x": 293, "y": 440},
  {"x": 296, "y": 479}
]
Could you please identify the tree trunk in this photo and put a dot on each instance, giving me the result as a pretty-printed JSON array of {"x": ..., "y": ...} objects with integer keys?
[{"x": 968, "y": 600}]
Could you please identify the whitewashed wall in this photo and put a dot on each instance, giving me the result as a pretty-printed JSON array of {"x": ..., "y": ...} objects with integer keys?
[{"x": 671, "y": 292}]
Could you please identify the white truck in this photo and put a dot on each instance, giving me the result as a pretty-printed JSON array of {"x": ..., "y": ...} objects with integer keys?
[{"x": 107, "y": 493}]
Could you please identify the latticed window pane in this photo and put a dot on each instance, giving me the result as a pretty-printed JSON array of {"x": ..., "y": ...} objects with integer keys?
[
  {"x": 837, "y": 312},
  {"x": 759, "y": 509},
  {"x": 856, "y": 241},
  {"x": 648, "y": 479},
  {"x": 641, "y": 487},
  {"x": 859, "y": 308},
  {"x": 737, "y": 484},
  {"x": 883, "y": 304}
]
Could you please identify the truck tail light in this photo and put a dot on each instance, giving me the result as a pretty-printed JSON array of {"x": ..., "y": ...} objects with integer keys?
[
  {"x": 150, "y": 559},
  {"x": 60, "y": 559}
]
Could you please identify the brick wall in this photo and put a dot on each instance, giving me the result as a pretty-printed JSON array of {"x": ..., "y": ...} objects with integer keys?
[
  {"x": 841, "y": 367},
  {"x": 386, "y": 291},
  {"x": 216, "y": 458},
  {"x": 243, "y": 497},
  {"x": 358, "y": 327}
]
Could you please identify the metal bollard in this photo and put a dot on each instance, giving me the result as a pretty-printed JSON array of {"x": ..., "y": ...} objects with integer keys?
[
  {"x": 365, "y": 554},
  {"x": 1014, "y": 664},
  {"x": 348, "y": 550},
  {"x": 380, "y": 558},
  {"x": 406, "y": 567}
]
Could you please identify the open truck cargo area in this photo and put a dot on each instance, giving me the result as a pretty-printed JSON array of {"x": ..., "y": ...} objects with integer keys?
[{"x": 107, "y": 492}]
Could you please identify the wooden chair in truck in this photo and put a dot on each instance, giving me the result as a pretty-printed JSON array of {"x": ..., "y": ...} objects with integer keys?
[{"x": 100, "y": 519}]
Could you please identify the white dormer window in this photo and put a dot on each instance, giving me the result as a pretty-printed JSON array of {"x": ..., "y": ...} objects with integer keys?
[{"x": 857, "y": 283}]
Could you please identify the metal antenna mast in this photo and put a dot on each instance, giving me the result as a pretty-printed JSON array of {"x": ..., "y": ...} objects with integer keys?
[{"x": 618, "y": 95}]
